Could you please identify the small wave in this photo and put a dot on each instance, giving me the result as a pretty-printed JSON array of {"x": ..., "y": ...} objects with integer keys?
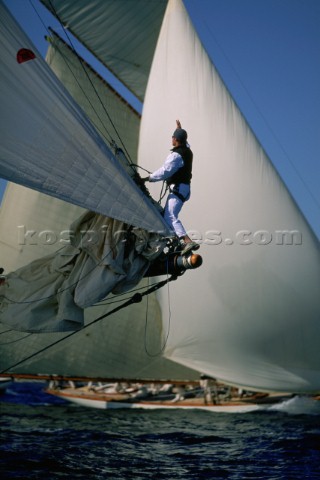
[
  {"x": 12, "y": 391},
  {"x": 298, "y": 405}
]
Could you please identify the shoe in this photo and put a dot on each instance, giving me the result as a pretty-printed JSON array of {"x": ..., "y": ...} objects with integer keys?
[{"x": 187, "y": 247}]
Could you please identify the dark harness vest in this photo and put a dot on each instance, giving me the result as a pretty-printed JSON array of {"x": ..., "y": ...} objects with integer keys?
[{"x": 184, "y": 174}]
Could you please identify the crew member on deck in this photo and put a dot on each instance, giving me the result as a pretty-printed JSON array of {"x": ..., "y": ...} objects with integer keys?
[{"x": 177, "y": 171}]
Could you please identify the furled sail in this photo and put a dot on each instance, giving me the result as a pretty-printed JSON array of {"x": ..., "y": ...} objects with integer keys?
[
  {"x": 126, "y": 344},
  {"x": 253, "y": 317},
  {"x": 121, "y": 34},
  {"x": 48, "y": 143}
]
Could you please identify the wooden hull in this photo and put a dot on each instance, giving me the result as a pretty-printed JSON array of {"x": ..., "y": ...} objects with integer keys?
[{"x": 122, "y": 401}]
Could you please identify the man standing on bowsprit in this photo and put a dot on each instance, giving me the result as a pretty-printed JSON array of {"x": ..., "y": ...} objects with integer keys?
[{"x": 177, "y": 171}]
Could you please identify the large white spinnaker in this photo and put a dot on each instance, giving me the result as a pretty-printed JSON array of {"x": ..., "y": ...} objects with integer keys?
[
  {"x": 48, "y": 144},
  {"x": 251, "y": 315}
]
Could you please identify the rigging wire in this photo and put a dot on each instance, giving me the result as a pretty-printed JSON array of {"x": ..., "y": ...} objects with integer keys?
[
  {"x": 90, "y": 81},
  {"x": 86, "y": 73},
  {"x": 124, "y": 293},
  {"x": 94, "y": 305},
  {"x": 103, "y": 304},
  {"x": 50, "y": 31},
  {"x": 164, "y": 189},
  {"x": 139, "y": 166},
  {"x": 15, "y": 341},
  {"x": 6, "y": 331},
  {"x": 115, "y": 129},
  {"x": 136, "y": 298},
  {"x": 82, "y": 63},
  {"x": 105, "y": 131}
]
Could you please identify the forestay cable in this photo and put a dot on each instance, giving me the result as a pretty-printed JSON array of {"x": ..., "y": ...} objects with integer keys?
[{"x": 136, "y": 298}]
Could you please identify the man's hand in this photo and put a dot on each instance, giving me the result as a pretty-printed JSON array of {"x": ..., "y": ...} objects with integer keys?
[{"x": 178, "y": 124}]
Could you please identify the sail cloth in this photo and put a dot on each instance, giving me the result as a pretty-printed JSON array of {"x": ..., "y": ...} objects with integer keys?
[
  {"x": 49, "y": 144},
  {"x": 253, "y": 318},
  {"x": 125, "y": 345},
  {"x": 105, "y": 350},
  {"x": 121, "y": 34},
  {"x": 26, "y": 214},
  {"x": 113, "y": 117},
  {"x": 50, "y": 294}
]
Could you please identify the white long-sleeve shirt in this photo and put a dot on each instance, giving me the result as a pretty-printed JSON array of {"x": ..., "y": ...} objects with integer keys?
[{"x": 172, "y": 163}]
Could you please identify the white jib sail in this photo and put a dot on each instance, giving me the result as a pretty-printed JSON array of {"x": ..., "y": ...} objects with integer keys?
[
  {"x": 48, "y": 144},
  {"x": 251, "y": 314}
]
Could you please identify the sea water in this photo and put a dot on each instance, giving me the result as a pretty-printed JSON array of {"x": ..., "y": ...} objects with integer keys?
[{"x": 45, "y": 437}]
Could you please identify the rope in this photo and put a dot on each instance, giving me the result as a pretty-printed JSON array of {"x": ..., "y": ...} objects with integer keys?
[
  {"x": 50, "y": 31},
  {"x": 82, "y": 62},
  {"x": 72, "y": 47},
  {"x": 164, "y": 190},
  {"x": 139, "y": 166},
  {"x": 121, "y": 294},
  {"x": 15, "y": 341},
  {"x": 136, "y": 298},
  {"x": 90, "y": 81}
]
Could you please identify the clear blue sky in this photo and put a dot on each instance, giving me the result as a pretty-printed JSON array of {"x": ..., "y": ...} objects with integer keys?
[{"x": 268, "y": 54}]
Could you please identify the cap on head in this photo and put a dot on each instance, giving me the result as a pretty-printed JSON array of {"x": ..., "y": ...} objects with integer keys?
[{"x": 181, "y": 135}]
